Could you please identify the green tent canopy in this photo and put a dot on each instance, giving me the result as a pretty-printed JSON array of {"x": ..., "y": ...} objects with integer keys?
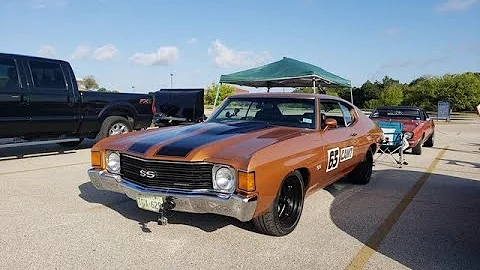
[{"x": 287, "y": 72}]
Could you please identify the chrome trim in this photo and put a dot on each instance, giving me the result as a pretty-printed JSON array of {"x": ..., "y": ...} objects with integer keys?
[{"x": 192, "y": 201}]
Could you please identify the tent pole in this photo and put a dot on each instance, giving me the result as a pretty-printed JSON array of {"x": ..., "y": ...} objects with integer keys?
[
  {"x": 351, "y": 94},
  {"x": 314, "y": 86},
  {"x": 216, "y": 97}
]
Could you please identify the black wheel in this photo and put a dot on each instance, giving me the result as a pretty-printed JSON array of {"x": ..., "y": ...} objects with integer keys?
[
  {"x": 429, "y": 142},
  {"x": 363, "y": 172},
  {"x": 417, "y": 150},
  {"x": 114, "y": 125},
  {"x": 283, "y": 216},
  {"x": 72, "y": 144}
]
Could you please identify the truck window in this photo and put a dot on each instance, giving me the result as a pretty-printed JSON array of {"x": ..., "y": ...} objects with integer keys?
[
  {"x": 8, "y": 75},
  {"x": 47, "y": 75}
]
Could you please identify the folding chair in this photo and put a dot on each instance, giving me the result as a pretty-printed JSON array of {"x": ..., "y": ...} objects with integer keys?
[{"x": 393, "y": 141}]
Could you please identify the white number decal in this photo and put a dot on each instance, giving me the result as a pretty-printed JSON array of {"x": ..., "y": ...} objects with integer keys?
[{"x": 333, "y": 159}]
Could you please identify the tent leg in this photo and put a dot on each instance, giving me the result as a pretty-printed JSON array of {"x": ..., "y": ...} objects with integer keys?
[
  {"x": 351, "y": 95},
  {"x": 216, "y": 97},
  {"x": 314, "y": 87},
  {"x": 268, "y": 89}
]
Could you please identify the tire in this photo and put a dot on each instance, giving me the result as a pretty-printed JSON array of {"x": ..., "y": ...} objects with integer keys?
[
  {"x": 362, "y": 174},
  {"x": 417, "y": 150},
  {"x": 430, "y": 141},
  {"x": 281, "y": 219},
  {"x": 114, "y": 125},
  {"x": 72, "y": 144}
]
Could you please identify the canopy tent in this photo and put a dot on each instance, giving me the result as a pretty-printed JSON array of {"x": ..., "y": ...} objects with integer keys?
[{"x": 287, "y": 72}]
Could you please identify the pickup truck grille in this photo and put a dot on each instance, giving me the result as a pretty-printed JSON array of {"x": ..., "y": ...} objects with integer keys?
[{"x": 164, "y": 174}]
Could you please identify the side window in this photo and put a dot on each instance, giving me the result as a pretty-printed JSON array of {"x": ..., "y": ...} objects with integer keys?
[
  {"x": 8, "y": 75},
  {"x": 347, "y": 114},
  {"x": 331, "y": 109},
  {"x": 47, "y": 75}
]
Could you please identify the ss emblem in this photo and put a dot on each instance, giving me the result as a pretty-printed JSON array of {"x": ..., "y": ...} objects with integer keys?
[{"x": 148, "y": 174}]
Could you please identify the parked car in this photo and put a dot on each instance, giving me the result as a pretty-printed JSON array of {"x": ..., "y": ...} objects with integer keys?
[
  {"x": 418, "y": 127},
  {"x": 40, "y": 100},
  {"x": 255, "y": 159},
  {"x": 178, "y": 106}
]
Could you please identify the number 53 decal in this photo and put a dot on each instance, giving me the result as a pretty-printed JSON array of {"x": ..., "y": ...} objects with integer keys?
[{"x": 333, "y": 159}]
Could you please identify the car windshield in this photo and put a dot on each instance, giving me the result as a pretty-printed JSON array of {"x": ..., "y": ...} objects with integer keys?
[
  {"x": 398, "y": 113},
  {"x": 288, "y": 112}
]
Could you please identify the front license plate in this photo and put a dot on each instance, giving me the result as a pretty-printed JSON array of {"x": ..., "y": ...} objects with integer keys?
[{"x": 150, "y": 203}]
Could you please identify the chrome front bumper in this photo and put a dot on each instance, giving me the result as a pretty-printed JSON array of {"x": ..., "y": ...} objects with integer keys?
[{"x": 233, "y": 205}]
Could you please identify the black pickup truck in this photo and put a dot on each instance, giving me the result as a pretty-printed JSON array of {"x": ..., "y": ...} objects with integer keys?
[{"x": 40, "y": 101}]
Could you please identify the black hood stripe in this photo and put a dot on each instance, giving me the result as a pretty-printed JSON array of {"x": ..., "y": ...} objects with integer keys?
[
  {"x": 143, "y": 145},
  {"x": 183, "y": 147}
]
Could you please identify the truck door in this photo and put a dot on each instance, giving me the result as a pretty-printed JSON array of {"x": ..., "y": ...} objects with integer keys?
[
  {"x": 54, "y": 108},
  {"x": 14, "y": 113}
]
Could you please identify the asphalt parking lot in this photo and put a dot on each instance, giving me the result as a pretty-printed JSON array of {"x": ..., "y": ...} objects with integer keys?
[{"x": 425, "y": 215}]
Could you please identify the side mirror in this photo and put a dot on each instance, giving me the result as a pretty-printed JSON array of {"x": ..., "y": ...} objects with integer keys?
[{"x": 330, "y": 123}]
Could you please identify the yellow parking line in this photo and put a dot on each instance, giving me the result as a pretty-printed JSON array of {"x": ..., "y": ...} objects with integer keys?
[
  {"x": 45, "y": 168},
  {"x": 372, "y": 244}
]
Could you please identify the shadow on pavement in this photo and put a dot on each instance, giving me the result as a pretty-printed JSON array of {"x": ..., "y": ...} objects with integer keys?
[
  {"x": 128, "y": 208},
  {"x": 53, "y": 149},
  {"x": 438, "y": 230}
]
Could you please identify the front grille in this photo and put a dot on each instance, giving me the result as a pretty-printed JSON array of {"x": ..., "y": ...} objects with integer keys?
[{"x": 179, "y": 175}]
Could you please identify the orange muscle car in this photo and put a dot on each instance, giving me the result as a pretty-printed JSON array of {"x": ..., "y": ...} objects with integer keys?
[
  {"x": 255, "y": 159},
  {"x": 418, "y": 127}
]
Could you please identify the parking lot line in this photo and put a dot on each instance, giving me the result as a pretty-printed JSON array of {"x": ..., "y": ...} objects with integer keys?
[
  {"x": 45, "y": 168},
  {"x": 372, "y": 244}
]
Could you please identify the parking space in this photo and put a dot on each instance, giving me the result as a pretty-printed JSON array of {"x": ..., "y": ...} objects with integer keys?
[{"x": 422, "y": 216}]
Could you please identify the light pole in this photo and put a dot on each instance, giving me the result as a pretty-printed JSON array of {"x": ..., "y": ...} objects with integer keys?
[{"x": 171, "y": 80}]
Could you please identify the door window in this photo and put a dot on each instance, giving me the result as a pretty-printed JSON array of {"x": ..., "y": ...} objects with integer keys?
[
  {"x": 331, "y": 109},
  {"x": 47, "y": 75},
  {"x": 8, "y": 75},
  {"x": 347, "y": 114}
]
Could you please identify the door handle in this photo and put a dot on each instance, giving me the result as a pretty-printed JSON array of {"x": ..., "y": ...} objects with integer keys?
[
  {"x": 353, "y": 134},
  {"x": 24, "y": 100}
]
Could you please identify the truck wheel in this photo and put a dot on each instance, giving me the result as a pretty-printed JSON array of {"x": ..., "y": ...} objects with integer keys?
[
  {"x": 417, "y": 150},
  {"x": 114, "y": 125},
  {"x": 72, "y": 144},
  {"x": 363, "y": 172},
  {"x": 284, "y": 213},
  {"x": 429, "y": 142}
]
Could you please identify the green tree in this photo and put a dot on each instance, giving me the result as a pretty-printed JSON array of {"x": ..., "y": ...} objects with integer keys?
[
  {"x": 392, "y": 95},
  {"x": 226, "y": 90},
  {"x": 90, "y": 83}
]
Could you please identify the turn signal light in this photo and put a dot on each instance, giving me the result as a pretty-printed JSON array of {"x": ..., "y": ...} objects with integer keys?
[
  {"x": 96, "y": 158},
  {"x": 246, "y": 181}
]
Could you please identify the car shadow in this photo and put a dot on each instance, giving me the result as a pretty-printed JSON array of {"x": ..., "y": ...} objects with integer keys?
[
  {"x": 437, "y": 230},
  {"x": 23, "y": 152},
  {"x": 128, "y": 209}
]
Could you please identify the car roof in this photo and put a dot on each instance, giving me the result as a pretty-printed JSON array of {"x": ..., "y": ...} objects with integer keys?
[
  {"x": 30, "y": 57},
  {"x": 399, "y": 108}
]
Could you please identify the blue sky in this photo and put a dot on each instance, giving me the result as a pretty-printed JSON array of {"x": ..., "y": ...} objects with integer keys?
[{"x": 140, "y": 43}]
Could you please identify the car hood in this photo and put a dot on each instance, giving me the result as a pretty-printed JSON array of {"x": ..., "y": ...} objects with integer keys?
[
  {"x": 204, "y": 141},
  {"x": 408, "y": 124}
]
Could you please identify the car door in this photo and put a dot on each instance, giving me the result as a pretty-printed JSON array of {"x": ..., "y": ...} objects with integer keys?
[
  {"x": 53, "y": 106},
  {"x": 339, "y": 142},
  {"x": 14, "y": 110}
]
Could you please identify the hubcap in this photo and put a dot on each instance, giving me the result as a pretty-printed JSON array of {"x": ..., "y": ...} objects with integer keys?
[
  {"x": 289, "y": 203},
  {"x": 117, "y": 128}
]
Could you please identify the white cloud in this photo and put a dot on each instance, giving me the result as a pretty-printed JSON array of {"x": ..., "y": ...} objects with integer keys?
[
  {"x": 193, "y": 40},
  {"x": 105, "y": 52},
  {"x": 46, "y": 51},
  {"x": 391, "y": 32},
  {"x": 455, "y": 5},
  {"x": 39, "y": 4},
  {"x": 81, "y": 52},
  {"x": 164, "y": 56},
  {"x": 224, "y": 56}
]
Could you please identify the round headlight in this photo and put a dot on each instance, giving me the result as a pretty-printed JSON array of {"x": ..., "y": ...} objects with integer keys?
[
  {"x": 113, "y": 162},
  {"x": 224, "y": 179},
  {"x": 408, "y": 135}
]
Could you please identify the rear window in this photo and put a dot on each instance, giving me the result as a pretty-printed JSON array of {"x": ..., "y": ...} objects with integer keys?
[
  {"x": 398, "y": 113},
  {"x": 47, "y": 75},
  {"x": 8, "y": 75}
]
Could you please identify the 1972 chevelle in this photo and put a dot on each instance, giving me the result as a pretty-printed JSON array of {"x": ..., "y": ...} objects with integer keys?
[{"x": 255, "y": 159}]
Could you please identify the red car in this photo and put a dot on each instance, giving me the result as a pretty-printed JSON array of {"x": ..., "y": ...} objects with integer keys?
[{"x": 418, "y": 127}]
